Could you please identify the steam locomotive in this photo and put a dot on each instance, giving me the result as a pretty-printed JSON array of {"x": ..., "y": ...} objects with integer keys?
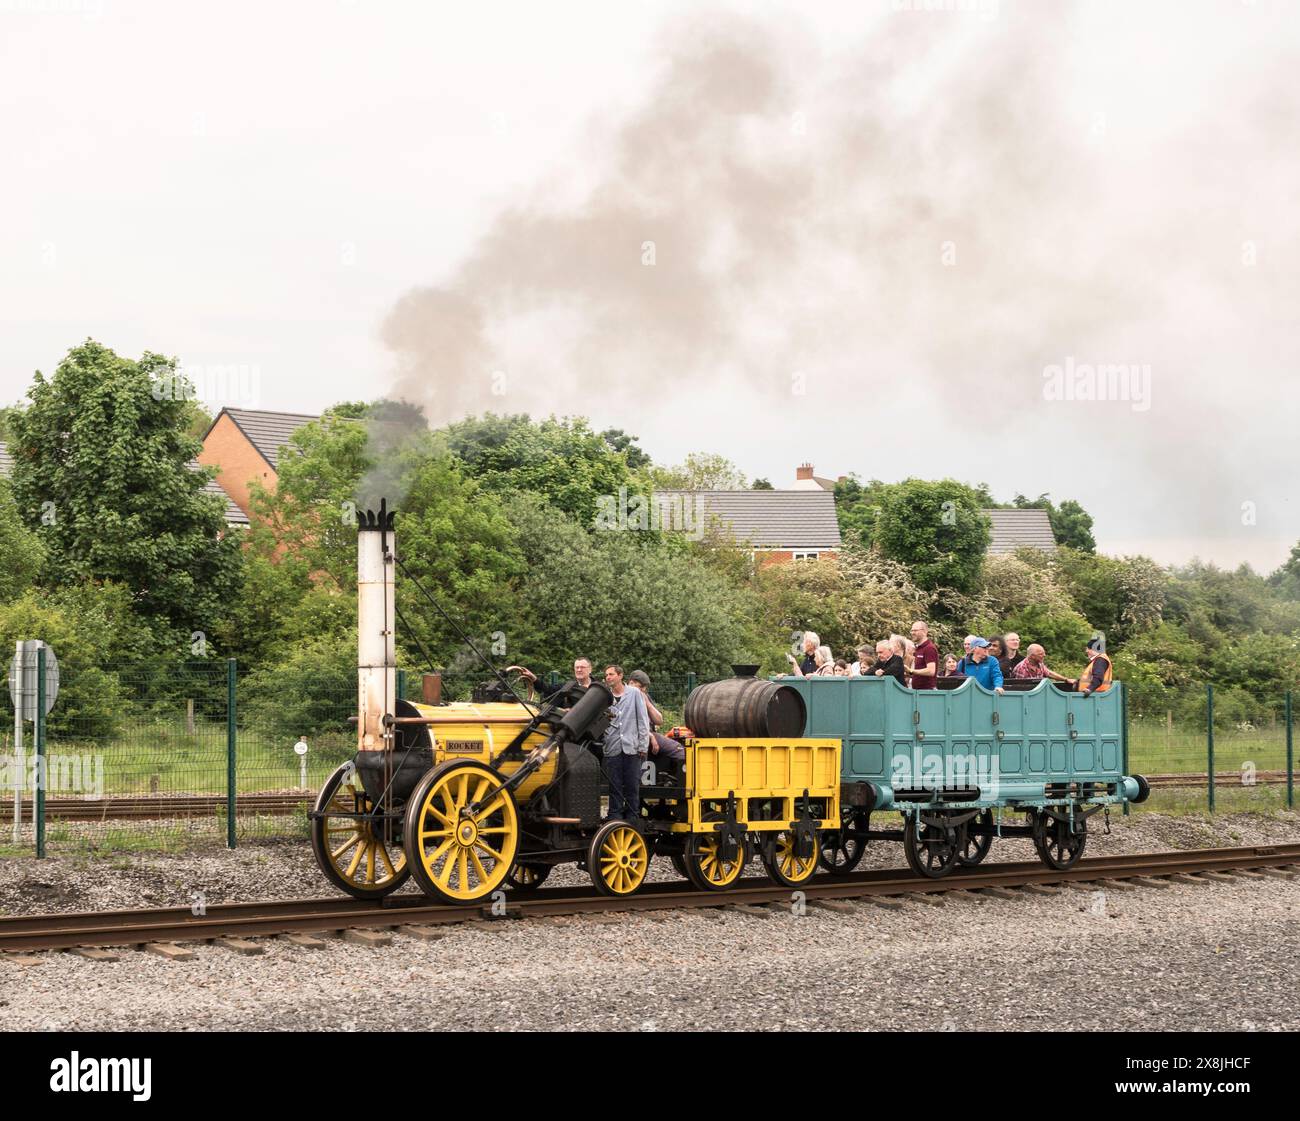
[{"x": 469, "y": 797}]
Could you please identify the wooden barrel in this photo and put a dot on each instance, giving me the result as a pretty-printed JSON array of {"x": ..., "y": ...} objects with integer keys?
[{"x": 745, "y": 707}]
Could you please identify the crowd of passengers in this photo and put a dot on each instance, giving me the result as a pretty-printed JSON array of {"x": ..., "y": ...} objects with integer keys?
[{"x": 916, "y": 662}]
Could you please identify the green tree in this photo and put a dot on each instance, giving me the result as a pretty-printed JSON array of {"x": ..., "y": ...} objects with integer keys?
[
  {"x": 561, "y": 460},
  {"x": 612, "y": 597},
  {"x": 761, "y": 484},
  {"x": 857, "y": 507},
  {"x": 19, "y": 546},
  {"x": 699, "y": 471},
  {"x": 1071, "y": 523},
  {"x": 90, "y": 630},
  {"x": 100, "y": 474},
  {"x": 936, "y": 529}
]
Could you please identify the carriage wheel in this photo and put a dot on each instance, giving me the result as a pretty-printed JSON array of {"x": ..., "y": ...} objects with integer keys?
[
  {"x": 784, "y": 864},
  {"x": 840, "y": 853},
  {"x": 1059, "y": 846},
  {"x": 706, "y": 869},
  {"x": 934, "y": 852},
  {"x": 527, "y": 877},
  {"x": 462, "y": 831},
  {"x": 618, "y": 858},
  {"x": 359, "y": 857},
  {"x": 679, "y": 863},
  {"x": 974, "y": 847}
]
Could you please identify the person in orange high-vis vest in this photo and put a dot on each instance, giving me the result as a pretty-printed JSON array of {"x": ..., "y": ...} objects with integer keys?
[{"x": 1096, "y": 678}]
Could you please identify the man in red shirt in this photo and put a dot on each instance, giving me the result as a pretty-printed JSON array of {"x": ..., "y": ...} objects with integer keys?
[{"x": 925, "y": 666}]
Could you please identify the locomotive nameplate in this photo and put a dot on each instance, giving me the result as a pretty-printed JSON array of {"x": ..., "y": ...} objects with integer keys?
[{"x": 472, "y": 747}]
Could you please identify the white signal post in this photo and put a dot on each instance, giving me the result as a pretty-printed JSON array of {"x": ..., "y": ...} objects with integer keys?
[
  {"x": 19, "y": 767},
  {"x": 300, "y": 749}
]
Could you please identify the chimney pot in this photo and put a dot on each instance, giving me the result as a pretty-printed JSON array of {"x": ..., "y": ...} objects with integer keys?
[{"x": 805, "y": 471}]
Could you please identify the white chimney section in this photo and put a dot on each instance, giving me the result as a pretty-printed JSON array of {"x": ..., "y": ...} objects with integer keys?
[{"x": 376, "y": 641}]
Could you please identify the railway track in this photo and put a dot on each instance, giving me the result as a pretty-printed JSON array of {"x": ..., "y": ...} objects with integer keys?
[
  {"x": 242, "y": 921},
  {"x": 147, "y": 806}
]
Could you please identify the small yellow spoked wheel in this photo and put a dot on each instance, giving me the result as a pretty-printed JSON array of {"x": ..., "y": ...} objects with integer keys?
[
  {"x": 462, "y": 831},
  {"x": 363, "y": 858},
  {"x": 707, "y": 868},
  {"x": 783, "y": 862},
  {"x": 527, "y": 877},
  {"x": 618, "y": 858}
]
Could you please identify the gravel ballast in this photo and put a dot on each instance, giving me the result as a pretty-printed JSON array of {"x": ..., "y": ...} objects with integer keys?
[{"x": 1206, "y": 956}]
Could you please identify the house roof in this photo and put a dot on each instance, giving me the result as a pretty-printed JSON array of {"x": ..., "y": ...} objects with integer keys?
[
  {"x": 1020, "y": 529},
  {"x": 770, "y": 519},
  {"x": 234, "y": 515},
  {"x": 268, "y": 432},
  {"x": 6, "y": 460}
]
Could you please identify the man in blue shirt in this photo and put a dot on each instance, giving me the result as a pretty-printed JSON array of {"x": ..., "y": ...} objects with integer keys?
[
  {"x": 982, "y": 668},
  {"x": 626, "y": 742}
]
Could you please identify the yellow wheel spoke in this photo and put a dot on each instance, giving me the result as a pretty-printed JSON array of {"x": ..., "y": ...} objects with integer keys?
[
  {"x": 490, "y": 851},
  {"x": 462, "y": 863},
  {"x": 425, "y": 834},
  {"x": 338, "y": 852},
  {"x": 491, "y": 806},
  {"x": 356, "y": 861}
]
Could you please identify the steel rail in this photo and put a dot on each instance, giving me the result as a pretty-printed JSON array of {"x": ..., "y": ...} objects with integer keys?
[{"x": 28, "y": 933}]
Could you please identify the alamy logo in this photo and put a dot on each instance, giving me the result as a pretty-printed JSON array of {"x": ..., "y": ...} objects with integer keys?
[
  {"x": 102, "y": 1076},
  {"x": 1111, "y": 382}
]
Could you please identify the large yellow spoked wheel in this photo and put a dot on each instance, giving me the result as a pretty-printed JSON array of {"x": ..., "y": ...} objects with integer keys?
[
  {"x": 618, "y": 858},
  {"x": 361, "y": 857},
  {"x": 707, "y": 869},
  {"x": 783, "y": 862},
  {"x": 462, "y": 831}
]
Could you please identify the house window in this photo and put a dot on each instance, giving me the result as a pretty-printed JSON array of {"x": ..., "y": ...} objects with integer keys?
[{"x": 804, "y": 555}]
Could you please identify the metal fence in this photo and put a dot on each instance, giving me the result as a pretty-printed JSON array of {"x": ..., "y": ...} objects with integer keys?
[{"x": 173, "y": 757}]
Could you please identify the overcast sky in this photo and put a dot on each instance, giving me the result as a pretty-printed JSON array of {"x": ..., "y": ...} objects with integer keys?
[{"x": 888, "y": 241}]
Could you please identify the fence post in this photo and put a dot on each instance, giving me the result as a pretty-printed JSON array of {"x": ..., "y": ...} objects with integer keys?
[
  {"x": 230, "y": 753},
  {"x": 1290, "y": 757},
  {"x": 690, "y": 684},
  {"x": 1123, "y": 739},
  {"x": 553, "y": 680},
  {"x": 41, "y": 769},
  {"x": 1209, "y": 740},
  {"x": 401, "y": 685}
]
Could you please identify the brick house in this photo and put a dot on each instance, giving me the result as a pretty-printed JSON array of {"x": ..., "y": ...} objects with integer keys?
[
  {"x": 244, "y": 446},
  {"x": 777, "y": 526}
]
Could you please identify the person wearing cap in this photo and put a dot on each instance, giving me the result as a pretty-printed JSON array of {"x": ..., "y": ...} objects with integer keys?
[
  {"x": 981, "y": 667},
  {"x": 1096, "y": 678},
  {"x": 664, "y": 751}
]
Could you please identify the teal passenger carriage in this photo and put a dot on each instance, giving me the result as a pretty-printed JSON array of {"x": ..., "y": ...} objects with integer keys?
[{"x": 961, "y": 764}]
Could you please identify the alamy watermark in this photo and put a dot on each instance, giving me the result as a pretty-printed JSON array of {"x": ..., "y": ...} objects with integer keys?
[
  {"x": 660, "y": 513},
  {"x": 1081, "y": 381},
  {"x": 65, "y": 774},
  {"x": 230, "y": 383}
]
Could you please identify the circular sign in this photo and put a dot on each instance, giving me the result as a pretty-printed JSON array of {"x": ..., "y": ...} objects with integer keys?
[
  {"x": 22, "y": 678},
  {"x": 300, "y": 748}
]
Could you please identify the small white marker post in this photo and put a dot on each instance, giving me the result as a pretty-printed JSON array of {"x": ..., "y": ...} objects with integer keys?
[
  {"x": 19, "y": 762},
  {"x": 300, "y": 749}
]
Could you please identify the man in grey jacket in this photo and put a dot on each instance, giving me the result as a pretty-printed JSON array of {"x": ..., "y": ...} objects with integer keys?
[{"x": 625, "y": 746}]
